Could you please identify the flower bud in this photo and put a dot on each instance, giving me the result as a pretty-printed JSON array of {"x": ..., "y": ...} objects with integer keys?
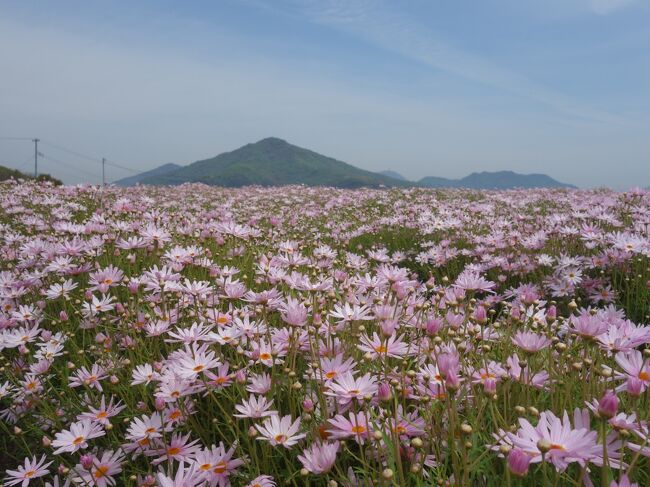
[
  {"x": 433, "y": 326},
  {"x": 480, "y": 315},
  {"x": 384, "y": 392},
  {"x": 608, "y": 405},
  {"x": 490, "y": 386},
  {"x": 446, "y": 363},
  {"x": 634, "y": 386},
  {"x": 308, "y": 405},
  {"x": 86, "y": 461},
  {"x": 387, "y": 474},
  {"x": 518, "y": 462},
  {"x": 159, "y": 403},
  {"x": 543, "y": 445},
  {"x": 388, "y": 328},
  {"x": 551, "y": 313}
]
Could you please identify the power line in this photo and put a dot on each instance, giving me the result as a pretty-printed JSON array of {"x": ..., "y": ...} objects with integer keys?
[
  {"x": 74, "y": 153},
  {"x": 70, "y": 166},
  {"x": 103, "y": 161},
  {"x": 108, "y": 162},
  {"x": 113, "y": 164}
]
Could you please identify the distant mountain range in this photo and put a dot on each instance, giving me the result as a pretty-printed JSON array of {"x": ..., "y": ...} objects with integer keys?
[
  {"x": 275, "y": 162},
  {"x": 495, "y": 180}
]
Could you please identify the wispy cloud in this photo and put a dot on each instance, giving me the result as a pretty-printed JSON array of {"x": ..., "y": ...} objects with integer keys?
[
  {"x": 375, "y": 22},
  {"x": 604, "y": 7}
]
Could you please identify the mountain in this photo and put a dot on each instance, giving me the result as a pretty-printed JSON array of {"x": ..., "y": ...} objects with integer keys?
[
  {"x": 393, "y": 174},
  {"x": 273, "y": 162},
  {"x": 159, "y": 171},
  {"x": 495, "y": 180}
]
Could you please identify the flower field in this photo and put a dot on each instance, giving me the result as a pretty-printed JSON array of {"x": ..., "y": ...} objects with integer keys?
[{"x": 200, "y": 336}]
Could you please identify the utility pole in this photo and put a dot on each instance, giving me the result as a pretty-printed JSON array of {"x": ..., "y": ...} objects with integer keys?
[
  {"x": 35, "y": 157},
  {"x": 103, "y": 171}
]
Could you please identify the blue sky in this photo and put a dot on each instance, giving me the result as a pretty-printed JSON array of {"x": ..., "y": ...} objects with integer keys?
[{"x": 424, "y": 87}]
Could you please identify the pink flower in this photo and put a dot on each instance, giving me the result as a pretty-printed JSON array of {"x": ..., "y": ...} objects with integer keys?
[
  {"x": 319, "y": 459},
  {"x": 608, "y": 405},
  {"x": 379, "y": 347},
  {"x": 216, "y": 463},
  {"x": 255, "y": 407},
  {"x": 31, "y": 469},
  {"x": 624, "y": 481},
  {"x": 101, "y": 470},
  {"x": 280, "y": 431},
  {"x": 518, "y": 462},
  {"x": 262, "y": 481},
  {"x": 530, "y": 342},
  {"x": 634, "y": 367},
  {"x": 346, "y": 388},
  {"x": 355, "y": 425},
  {"x": 77, "y": 436},
  {"x": 555, "y": 440}
]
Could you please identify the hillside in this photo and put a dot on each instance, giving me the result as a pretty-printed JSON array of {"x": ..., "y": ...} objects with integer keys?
[
  {"x": 273, "y": 162},
  {"x": 8, "y": 173},
  {"x": 393, "y": 174},
  {"x": 495, "y": 180},
  {"x": 158, "y": 171}
]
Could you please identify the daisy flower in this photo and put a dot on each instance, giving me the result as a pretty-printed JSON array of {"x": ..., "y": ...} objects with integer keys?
[
  {"x": 280, "y": 431},
  {"x": 217, "y": 463},
  {"x": 103, "y": 413},
  {"x": 346, "y": 387},
  {"x": 255, "y": 407},
  {"x": 634, "y": 366},
  {"x": 262, "y": 481},
  {"x": 76, "y": 437},
  {"x": 179, "y": 449},
  {"x": 355, "y": 425},
  {"x": 530, "y": 342},
  {"x": 31, "y": 469},
  {"x": 319, "y": 459},
  {"x": 102, "y": 470},
  {"x": 377, "y": 347}
]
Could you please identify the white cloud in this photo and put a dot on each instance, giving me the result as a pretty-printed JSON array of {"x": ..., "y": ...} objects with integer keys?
[{"x": 604, "y": 7}]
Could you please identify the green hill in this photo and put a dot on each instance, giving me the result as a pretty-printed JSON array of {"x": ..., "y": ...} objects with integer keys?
[
  {"x": 8, "y": 173},
  {"x": 273, "y": 162}
]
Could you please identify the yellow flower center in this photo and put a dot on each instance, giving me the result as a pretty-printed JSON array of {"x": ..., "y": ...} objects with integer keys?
[{"x": 100, "y": 471}]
